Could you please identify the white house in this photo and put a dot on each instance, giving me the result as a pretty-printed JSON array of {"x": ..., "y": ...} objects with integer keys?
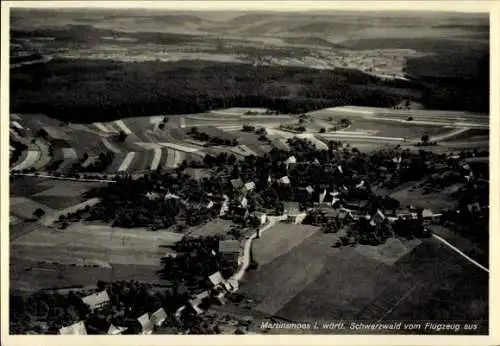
[
  {"x": 77, "y": 328},
  {"x": 146, "y": 323},
  {"x": 262, "y": 217},
  {"x": 114, "y": 330},
  {"x": 97, "y": 300},
  {"x": 216, "y": 279},
  {"x": 250, "y": 186},
  {"x": 284, "y": 180},
  {"x": 159, "y": 317}
]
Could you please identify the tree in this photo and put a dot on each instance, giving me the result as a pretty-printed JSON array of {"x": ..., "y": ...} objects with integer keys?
[
  {"x": 122, "y": 136},
  {"x": 38, "y": 213},
  {"x": 425, "y": 138},
  {"x": 409, "y": 118},
  {"x": 322, "y": 130}
]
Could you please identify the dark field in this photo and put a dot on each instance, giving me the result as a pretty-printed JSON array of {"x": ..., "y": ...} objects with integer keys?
[{"x": 342, "y": 284}]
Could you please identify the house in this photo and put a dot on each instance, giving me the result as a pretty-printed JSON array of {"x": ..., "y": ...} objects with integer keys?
[
  {"x": 297, "y": 218},
  {"x": 377, "y": 219},
  {"x": 146, "y": 324},
  {"x": 339, "y": 168},
  {"x": 262, "y": 217},
  {"x": 291, "y": 161},
  {"x": 114, "y": 330},
  {"x": 77, "y": 328},
  {"x": 360, "y": 185},
  {"x": 243, "y": 202},
  {"x": 250, "y": 186},
  {"x": 231, "y": 285},
  {"x": 322, "y": 197},
  {"x": 97, "y": 300},
  {"x": 356, "y": 205},
  {"x": 284, "y": 180},
  {"x": 198, "y": 302},
  {"x": 171, "y": 196},
  {"x": 159, "y": 317},
  {"x": 237, "y": 183},
  {"x": 345, "y": 216},
  {"x": 221, "y": 297},
  {"x": 429, "y": 216},
  {"x": 216, "y": 279},
  {"x": 152, "y": 195},
  {"x": 309, "y": 189},
  {"x": 230, "y": 249},
  {"x": 224, "y": 208},
  {"x": 474, "y": 207},
  {"x": 291, "y": 208}
]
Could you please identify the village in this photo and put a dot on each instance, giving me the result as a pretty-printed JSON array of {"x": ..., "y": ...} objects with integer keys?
[{"x": 324, "y": 188}]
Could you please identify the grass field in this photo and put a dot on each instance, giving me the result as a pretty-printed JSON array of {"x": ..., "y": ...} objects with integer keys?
[
  {"x": 433, "y": 200},
  {"x": 29, "y": 275},
  {"x": 279, "y": 240},
  {"x": 25, "y": 207},
  {"x": 316, "y": 282},
  {"x": 215, "y": 227},
  {"x": 94, "y": 244}
]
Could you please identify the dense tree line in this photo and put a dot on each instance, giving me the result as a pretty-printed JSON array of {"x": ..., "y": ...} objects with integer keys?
[{"x": 91, "y": 90}]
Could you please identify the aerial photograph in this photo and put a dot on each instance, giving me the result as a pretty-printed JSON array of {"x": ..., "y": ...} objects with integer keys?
[{"x": 248, "y": 172}]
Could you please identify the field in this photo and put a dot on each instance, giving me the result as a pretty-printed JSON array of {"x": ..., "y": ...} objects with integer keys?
[
  {"x": 314, "y": 281},
  {"x": 279, "y": 240},
  {"x": 215, "y": 227},
  {"x": 82, "y": 244},
  {"x": 433, "y": 200},
  {"x": 29, "y": 275}
]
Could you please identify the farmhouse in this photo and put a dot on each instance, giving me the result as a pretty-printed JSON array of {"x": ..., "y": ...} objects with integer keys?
[
  {"x": 97, "y": 300},
  {"x": 216, "y": 279},
  {"x": 113, "y": 330},
  {"x": 230, "y": 249},
  {"x": 250, "y": 186},
  {"x": 262, "y": 217},
  {"x": 429, "y": 216},
  {"x": 237, "y": 183},
  {"x": 377, "y": 219},
  {"x": 284, "y": 180},
  {"x": 146, "y": 323},
  {"x": 159, "y": 317},
  {"x": 77, "y": 328}
]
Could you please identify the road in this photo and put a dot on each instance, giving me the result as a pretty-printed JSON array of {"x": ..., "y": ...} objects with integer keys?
[{"x": 457, "y": 250}]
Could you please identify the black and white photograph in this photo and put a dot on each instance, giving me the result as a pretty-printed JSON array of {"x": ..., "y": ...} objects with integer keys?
[{"x": 193, "y": 171}]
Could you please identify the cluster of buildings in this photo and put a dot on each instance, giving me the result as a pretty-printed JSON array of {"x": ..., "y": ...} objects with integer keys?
[{"x": 98, "y": 301}]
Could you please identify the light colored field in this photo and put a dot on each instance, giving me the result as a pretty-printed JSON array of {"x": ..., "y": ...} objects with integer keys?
[
  {"x": 215, "y": 227},
  {"x": 126, "y": 161},
  {"x": 123, "y": 127},
  {"x": 25, "y": 207},
  {"x": 49, "y": 219},
  {"x": 183, "y": 148},
  {"x": 16, "y": 124},
  {"x": 56, "y": 133},
  {"x": 102, "y": 127},
  {"x": 156, "y": 159},
  {"x": 105, "y": 245},
  {"x": 69, "y": 153},
  {"x": 170, "y": 158},
  {"x": 44, "y": 154},
  {"x": 279, "y": 240},
  {"x": 389, "y": 252},
  {"x": 29, "y": 161},
  {"x": 66, "y": 189}
]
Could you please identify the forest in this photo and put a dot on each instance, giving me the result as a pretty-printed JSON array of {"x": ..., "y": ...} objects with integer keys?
[{"x": 104, "y": 90}]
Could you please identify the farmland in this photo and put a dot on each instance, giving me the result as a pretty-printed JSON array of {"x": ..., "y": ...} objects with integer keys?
[
  {"x": 316, "y": 282},
  {"x": 95, "y": 244}
]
